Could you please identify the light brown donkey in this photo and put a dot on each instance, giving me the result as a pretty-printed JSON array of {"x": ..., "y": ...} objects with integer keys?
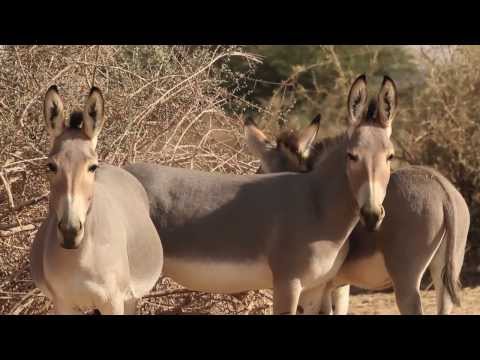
[
  {"x": 425, "y": 226},
  {"x": 98, "y": 248}
]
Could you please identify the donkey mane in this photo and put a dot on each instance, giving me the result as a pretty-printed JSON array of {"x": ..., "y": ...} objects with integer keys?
[
  {"x": 76, "y": 120},
  {"x": 372, "y": 110}
]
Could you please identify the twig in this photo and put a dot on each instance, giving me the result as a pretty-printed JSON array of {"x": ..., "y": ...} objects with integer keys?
[
  {"x": 31, "y": 201},
  {"x": 95, "y": 66},
  {"x": 170, "y": 292},
  {"x": 8, "y": 190},
  {"x": 15, "y": 230},
  {"x": 164, "y": 97},
  {"x": 410, "y": 157},
  {"x": 11, "y": 226},
  {"x": 40, "y": 92},
  {"x": 21, "y": 305}
]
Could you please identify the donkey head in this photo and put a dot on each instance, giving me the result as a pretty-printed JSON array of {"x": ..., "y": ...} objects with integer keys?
[
  {"x": 369, "y": 149},
  {"x": 290, "y": 151},
  {"x": 72, "y": 162}
]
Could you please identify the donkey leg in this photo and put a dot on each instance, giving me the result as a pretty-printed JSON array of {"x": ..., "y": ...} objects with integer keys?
[
  {"x": 115, "y": 306},
  {"x": 311, "y": 301},
  {"x": 286, "y": 294},
  {"x": 340, "y": 299},
  {"x": 327, "y": 305},
  {"x": 130, "y": 306},
  {"x": 406, "y": 269},
  {"x": 407, "y": 293},
  {"x": 444, "y": 301}
]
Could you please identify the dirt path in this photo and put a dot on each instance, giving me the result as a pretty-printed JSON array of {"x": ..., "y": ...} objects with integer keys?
[{"x": 383, "y": 303}]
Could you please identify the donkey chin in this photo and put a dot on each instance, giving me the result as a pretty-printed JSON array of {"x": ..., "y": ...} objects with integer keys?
[{"x": 372, "y": 219}]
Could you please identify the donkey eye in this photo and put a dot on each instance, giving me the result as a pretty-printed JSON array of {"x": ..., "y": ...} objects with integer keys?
[
  {"x": 390, "y": 157},
  {"x": 352, "y": 157},
  {"x": 52, "y": 167},
  {"x": 92, "y": 168}
]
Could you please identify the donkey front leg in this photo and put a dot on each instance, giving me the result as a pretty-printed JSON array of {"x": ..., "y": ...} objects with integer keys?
[
  {"x": 311, "y": 300},
  {"x": 130, "y": 306},
  {"x": 286, "y": 293},
  {"x": 340, "y": 299}
]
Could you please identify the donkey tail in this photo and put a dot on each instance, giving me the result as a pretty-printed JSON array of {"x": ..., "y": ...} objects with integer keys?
[{"x": 450, "y": 273}]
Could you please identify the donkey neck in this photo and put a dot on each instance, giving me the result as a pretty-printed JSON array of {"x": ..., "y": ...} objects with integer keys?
[{"x": 333, "y": 198}]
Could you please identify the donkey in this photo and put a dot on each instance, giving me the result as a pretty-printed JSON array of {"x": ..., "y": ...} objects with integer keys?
[
  {"x": 232, "y": 233},
  {"x": 98, "y": 248},
  {"x": 426, "y": 226}
]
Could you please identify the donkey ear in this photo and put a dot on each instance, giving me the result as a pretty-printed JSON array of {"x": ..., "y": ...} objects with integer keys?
[
  {"x": 357, "y": 100},
  {"x": 93, "y": 115},
  {"x": 53, "y": 112},
  {"x": 387, "y": 102},
  {"x": 257, "y": 142},
  {"x": 308, "y": 135}
]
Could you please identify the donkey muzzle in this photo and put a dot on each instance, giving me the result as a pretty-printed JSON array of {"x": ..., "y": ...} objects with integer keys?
[
  {"x": 71, "y": 233},
  {"x": 372, "y": 218}
]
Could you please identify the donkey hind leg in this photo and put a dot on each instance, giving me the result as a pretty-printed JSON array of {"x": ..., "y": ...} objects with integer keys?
[
  {"x": 340, "y": 299},
  {"x": 407, "y": 291},
  {"x": 311, "y": 301},
  {"x": 130, "y": 306},
  {"x": 408, "y": 300},
  {"x": 444, "y": 301},
  {"x": 286, "y": 294}
]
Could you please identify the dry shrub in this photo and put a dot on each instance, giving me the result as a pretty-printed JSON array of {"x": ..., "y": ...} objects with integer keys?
[
  {"x": 445, "y": 129},
  {"x": 173, "y": 105}
]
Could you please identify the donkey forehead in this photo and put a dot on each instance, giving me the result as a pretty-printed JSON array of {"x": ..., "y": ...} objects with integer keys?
[
  {"x": 73, "y": 145},
  {"x": 370, "y": 137}
]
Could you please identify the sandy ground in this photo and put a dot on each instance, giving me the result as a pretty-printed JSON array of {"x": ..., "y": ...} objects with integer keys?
[
  {"x": 384, "y": 303},
  {"x": 168, "y": 298}
]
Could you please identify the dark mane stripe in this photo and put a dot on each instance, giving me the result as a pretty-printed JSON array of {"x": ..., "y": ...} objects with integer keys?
[
  {"x": 76, "y": 120},
  {"x": 372, "y": 110}
]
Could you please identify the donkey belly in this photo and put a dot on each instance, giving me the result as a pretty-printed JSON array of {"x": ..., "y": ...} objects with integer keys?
[
  {"x": 219, "y": 276},
  {"x": 366, "y": 272}
]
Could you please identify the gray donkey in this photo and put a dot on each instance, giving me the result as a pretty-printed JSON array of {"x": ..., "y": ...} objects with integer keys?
[
  {"x": 426, "y": 226},
  {"x": 230, "y": 233},
  {"x": 98, "y": 248}
]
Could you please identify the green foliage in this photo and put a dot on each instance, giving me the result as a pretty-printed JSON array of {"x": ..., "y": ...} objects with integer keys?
[{"x": 294, "y": 83}]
